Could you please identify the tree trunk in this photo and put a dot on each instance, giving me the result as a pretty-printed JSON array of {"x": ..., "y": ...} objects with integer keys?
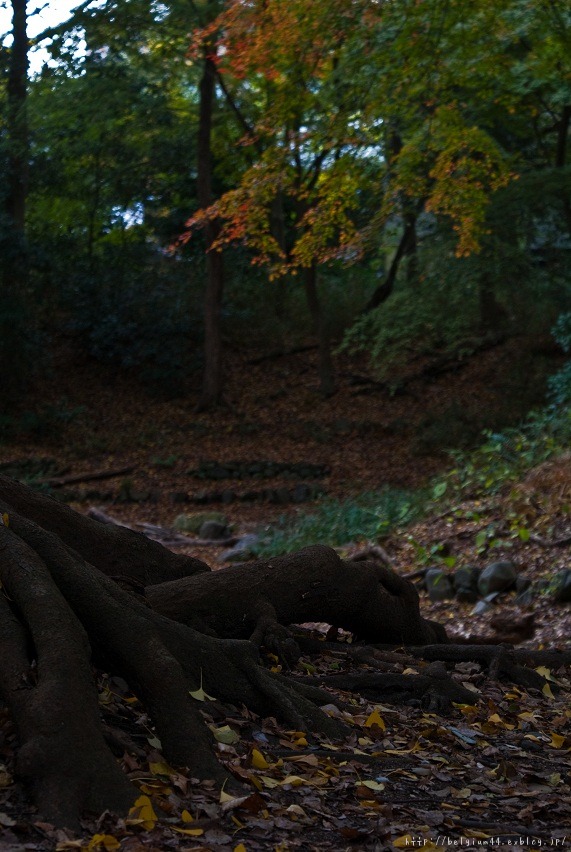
[
  {"x": 14, "y": 297},
  {"x": 493, "y": 315},
  {"x": 18, "y": 143},
  {"x": 561, "y": 159},
  {"x": 212, "y": 376},
  {"x": 326, "y": 374},
  {"x": 278, "y": 229},
  {"x": 406, "y": 247}
]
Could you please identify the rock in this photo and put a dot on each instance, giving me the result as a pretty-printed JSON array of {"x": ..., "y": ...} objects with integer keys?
[
  {"x": 438, "y": 585},
  {"x": 465, "y": 582},
  {"x": 466, "y": 595},
  {"x": 525, "y": 598},
  {"x": 522, "y": 583},
  {"x": 245, "y": 549},
  {"x": 561, "y": 586},
  {"x": 214, "y": 530},
  {"x": 481, "y": 607},
  {"x": 497, "y": 577},
  {"x": 301, "y": 493},
  {"x": 192, "y": 522}
]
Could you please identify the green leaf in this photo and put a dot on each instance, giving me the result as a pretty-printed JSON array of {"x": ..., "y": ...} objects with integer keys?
[{"x": 439, "y": 489}]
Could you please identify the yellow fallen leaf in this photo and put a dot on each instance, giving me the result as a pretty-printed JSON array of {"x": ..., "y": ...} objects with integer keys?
[
  {"x": 544, "y": 672},
  {"x": 372, "y": 785},
  {"x": 240, "y": 848},
  {"x": 142, "y": 813},
  {"x": 6, "y": 519},
  {"x": 547, "y": 691},
  {"x": 302, "y": 741},
  {"x": 294, "y": 780},
  {"x": 258, "y": 760},
  {"x": 527, "y": 716},
  {"x": 186, "y": 816},
  {"x": 103, "y": 841},
  {"x": 405, "y": 841},
  {"x": 199, "y": 694},
  {"x": 190, "y": 832},
  {"x": 375, "y": 718},
  {"x": 268, "y": 782},
  {"x": 225, "y": 734},
  {"x": 160, "y": 768},
  {"x": 495, "y": 719},
  {"x": 296, "y": 810},
  {"x": 464, "y": 793},
  {"x": 226, "y": 797},
  {"x": 557, "y": 741}
]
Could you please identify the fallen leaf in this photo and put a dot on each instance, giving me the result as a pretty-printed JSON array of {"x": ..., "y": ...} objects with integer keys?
[
  {"x": 190, "y": 832},
  {"x": 375, "y": 718},
  {"x": 258, "y": 761},
  {"x": 142, "y": 813},
  {"x": 103, "y": 841}
]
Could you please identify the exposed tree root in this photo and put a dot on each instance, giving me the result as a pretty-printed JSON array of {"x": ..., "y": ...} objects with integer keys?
[
  {"x": 57, "y": 612},
  {"x": 313, "y": 584},
  {"x": 114, "y": 550},
  {"x": 434, "y": 690},
  {"x": 63, "y": 756},
  {"x": 61, "y": 608}
]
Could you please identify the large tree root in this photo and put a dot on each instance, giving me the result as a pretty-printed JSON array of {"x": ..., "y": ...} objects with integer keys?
[
  {"x": 63, "y": 756},
  {"x": 313, "y": 584},
  {"x": 117, "y": 551},
  {"x": 59, "y": 610},
  {"x": 433, "y": 690}
]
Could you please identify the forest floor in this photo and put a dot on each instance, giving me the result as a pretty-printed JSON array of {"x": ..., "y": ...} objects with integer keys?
[{"x": 496, "y": 772}]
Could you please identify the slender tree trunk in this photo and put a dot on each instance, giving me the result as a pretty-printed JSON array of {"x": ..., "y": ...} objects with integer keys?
[
  {"x": 277, "y": 224},
  {"x": 561, "y": 159},
  {"x": 493, "y": 315},
  {"x": 14, "y": 298},
  {"x": 17, "y": 90},
  {"x": 326, "y": 376},
  {"x": 212, "y": 378},
  {"x": 406, "y": 246}
]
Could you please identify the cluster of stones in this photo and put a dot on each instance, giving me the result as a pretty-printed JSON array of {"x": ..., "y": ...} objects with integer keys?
[
  {"x": 279, "y": 494},
  {"x": 300, "y": 493},
  {"x": 481, "y": 586},
  {"x": 216, "y": 527}
]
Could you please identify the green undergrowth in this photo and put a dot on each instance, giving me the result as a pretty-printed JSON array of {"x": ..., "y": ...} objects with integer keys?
[
  {"x": 506, "y": 456},
  {"x": 337, "y": 522},
  {"x": 503, "y": 458}
]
